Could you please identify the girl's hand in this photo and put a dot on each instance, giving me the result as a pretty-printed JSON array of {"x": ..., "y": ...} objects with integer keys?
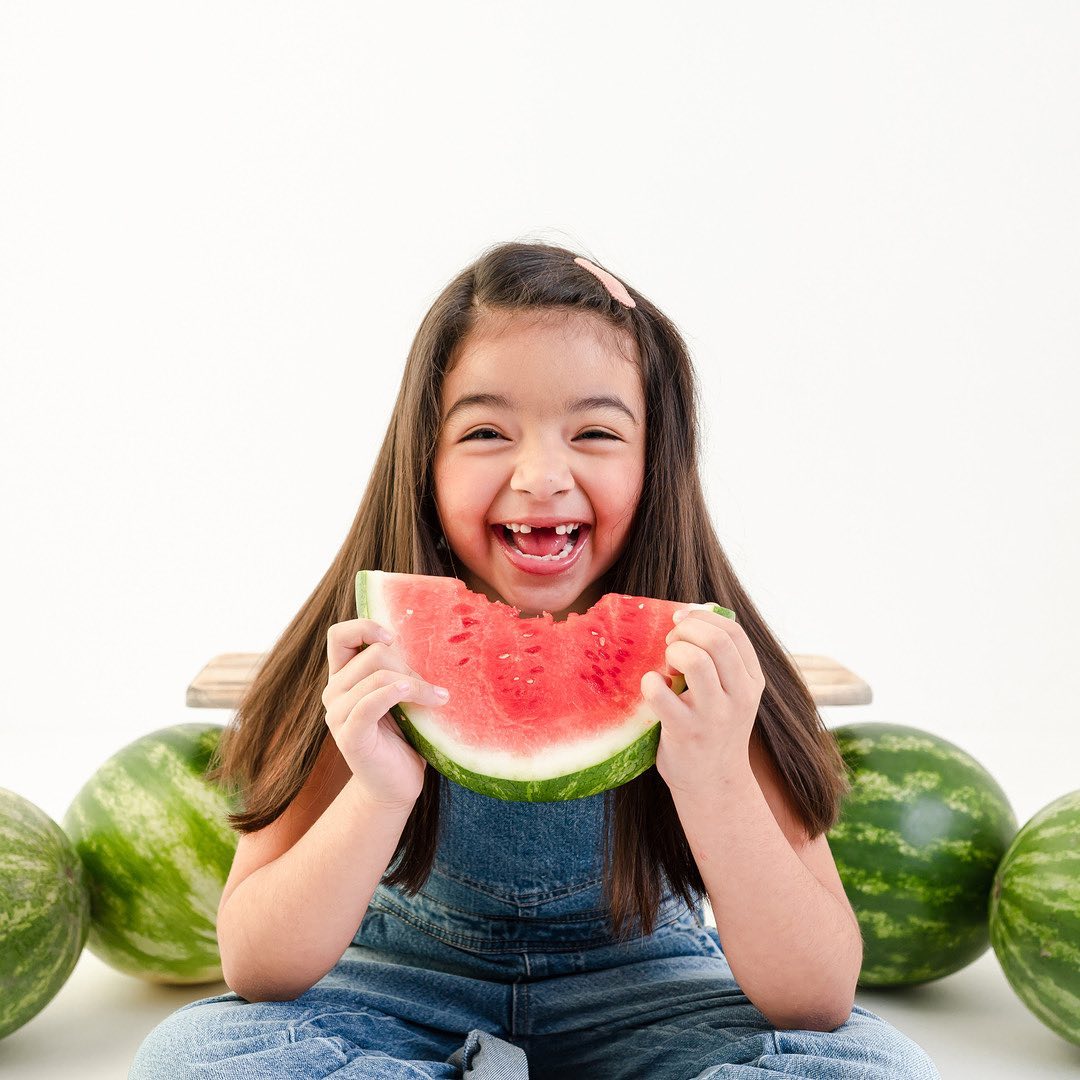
[
  {"x": 705, "y": 730},
  {"x": 364, "y": 675}
]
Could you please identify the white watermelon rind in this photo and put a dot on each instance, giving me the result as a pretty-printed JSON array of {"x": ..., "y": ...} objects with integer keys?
[{"x": 569, "y": 771}]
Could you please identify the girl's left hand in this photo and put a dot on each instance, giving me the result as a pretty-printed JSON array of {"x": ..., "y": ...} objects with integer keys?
[{"x": 705, "y": 730}]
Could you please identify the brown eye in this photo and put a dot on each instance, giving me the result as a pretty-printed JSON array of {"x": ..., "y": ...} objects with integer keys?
[{"x": 490, "y": 431}]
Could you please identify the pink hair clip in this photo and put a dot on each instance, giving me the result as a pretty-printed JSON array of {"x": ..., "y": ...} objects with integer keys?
[{"x": 612, "y": 284}]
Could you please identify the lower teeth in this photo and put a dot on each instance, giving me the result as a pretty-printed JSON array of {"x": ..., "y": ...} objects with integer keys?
[{"x": 546, "y": 558}]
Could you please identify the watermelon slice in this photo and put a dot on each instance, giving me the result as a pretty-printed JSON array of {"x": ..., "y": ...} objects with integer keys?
[{"x": 539, "y": 710}]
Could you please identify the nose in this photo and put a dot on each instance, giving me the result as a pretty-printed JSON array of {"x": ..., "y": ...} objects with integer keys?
[{"x": 541, "y": 472}]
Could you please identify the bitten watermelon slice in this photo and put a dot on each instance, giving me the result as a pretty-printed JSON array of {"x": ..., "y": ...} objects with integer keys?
[{"x": 539, "y": 710}]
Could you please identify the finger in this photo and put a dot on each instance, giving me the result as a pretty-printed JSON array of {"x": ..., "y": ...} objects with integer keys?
[
  {"x": 345, "y": 639},
  {"x": 361, "y": 667},
  {"x": 744, "y": 649},
  {"x": 703, "y": 693},
  {"x": 713, "y": 647},
  {"x": 670, "y": 709},
  {"x": 365, "y": 711},
  {"x": 379, "y": 685}
]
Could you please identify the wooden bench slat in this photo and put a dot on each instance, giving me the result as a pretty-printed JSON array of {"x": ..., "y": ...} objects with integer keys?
[{"x": 222, "y": 682}]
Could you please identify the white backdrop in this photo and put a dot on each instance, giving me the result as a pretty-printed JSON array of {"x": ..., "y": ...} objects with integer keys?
[{"x": 220, "y": 225}]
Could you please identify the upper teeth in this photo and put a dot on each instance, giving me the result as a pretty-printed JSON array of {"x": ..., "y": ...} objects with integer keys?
[{"x": 560, "y": 529}]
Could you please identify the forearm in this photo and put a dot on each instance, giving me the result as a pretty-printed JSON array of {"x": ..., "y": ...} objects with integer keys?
[
  {"x": 794, "y": 949},
  {"x": 286, "y": 924}
]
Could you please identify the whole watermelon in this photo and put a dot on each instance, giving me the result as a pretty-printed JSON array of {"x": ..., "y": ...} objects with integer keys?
[
  {"x": 44, "y": 910},
  {"x": 1035, "y": 915},
  {"x": 157, "y": 847},
  {"x": 917, "y": 843}
]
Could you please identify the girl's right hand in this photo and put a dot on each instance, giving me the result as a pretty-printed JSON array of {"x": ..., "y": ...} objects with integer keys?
[{"x": 363, "y": 685}]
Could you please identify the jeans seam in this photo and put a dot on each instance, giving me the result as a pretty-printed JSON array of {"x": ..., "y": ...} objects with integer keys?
[
  {"x": 464, "y": 941},
  {"x": 518, "y": 895},
  {"x": 575, "y": 916},
  {"x": 493, "y": 945}
]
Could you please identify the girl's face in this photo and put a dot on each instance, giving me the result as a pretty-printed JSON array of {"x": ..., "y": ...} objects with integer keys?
[{"x": 534, "y": 457}]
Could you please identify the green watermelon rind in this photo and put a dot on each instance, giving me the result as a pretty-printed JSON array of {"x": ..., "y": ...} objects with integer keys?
[
  {"x": 1035, "y": 915},
  {"x": 618, "y": 769},
  {"x": 44, "y": 909},
  {"x": 157, "y": 847},
  {"x": 921, "y": 905}
]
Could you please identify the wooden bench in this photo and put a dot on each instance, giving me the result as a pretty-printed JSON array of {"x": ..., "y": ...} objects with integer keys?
[{"x": 222, "y": 682}]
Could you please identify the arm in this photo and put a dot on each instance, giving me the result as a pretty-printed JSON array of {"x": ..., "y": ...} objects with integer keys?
[
  {"x": 287, "y": 923},
  {"x": 784, "y": 921}
]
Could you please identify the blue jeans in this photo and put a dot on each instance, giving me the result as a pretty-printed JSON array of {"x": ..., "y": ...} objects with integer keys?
[{"x": 504, "y": 967}]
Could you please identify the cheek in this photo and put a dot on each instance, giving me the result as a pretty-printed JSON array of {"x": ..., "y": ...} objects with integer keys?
[
  {"x": 622, "y": 491},
  {"x": 464, "y": 507}
]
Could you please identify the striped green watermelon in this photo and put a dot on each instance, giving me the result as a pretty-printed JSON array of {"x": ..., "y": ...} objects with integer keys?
[
  {"x": 917, "y": 843},
  {"x": 1035, "y": 915},
  {"x": 539, "y": 710},
  {"x": 44, "y": 910},
  {"x": 157, "y": 847}
]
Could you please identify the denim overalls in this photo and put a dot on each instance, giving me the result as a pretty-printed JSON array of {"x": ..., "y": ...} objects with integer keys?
[{"x": 504, "y": 967}]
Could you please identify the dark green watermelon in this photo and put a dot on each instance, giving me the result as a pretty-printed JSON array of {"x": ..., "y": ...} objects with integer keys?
[
  {"x": 918, "y": 842},
  {"x": 1035, "y": 915},
  {"x": 44, "y": 910}
]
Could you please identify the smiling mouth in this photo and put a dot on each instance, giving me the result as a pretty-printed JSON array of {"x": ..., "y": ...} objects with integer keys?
[{"x": 573, "y": 540}]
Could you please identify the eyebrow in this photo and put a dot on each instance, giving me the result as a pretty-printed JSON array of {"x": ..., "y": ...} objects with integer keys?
[{"x": 501, "y": 401}]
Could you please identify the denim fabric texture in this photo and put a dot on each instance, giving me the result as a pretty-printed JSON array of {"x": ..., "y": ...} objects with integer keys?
[{"x": 504, "y": 967}]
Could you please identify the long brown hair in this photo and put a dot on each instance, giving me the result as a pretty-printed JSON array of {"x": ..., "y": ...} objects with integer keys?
[{"x": 671, "y": 552}]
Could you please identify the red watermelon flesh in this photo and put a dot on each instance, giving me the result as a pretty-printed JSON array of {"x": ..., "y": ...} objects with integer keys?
[{"x": 539, "y": 710}]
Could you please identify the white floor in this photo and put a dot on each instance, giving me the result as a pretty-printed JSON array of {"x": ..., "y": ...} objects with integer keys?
[{"x": 970, "y": 1023}]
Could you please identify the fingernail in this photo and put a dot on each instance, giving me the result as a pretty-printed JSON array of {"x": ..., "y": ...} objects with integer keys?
[
  {"x": 680, "y": 615},
  {"x": 441, "y": 691},
  {"x": 386, "y": 636}
]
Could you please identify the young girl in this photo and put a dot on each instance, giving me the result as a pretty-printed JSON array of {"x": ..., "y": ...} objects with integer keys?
[{"x": 536, "y": 940}]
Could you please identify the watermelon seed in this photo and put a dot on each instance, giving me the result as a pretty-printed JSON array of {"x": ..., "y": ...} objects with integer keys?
[
  {"x": 504, "y": 656},
  {"x": 528, "y": 680},
  {"x": 601, "y": 642}
]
